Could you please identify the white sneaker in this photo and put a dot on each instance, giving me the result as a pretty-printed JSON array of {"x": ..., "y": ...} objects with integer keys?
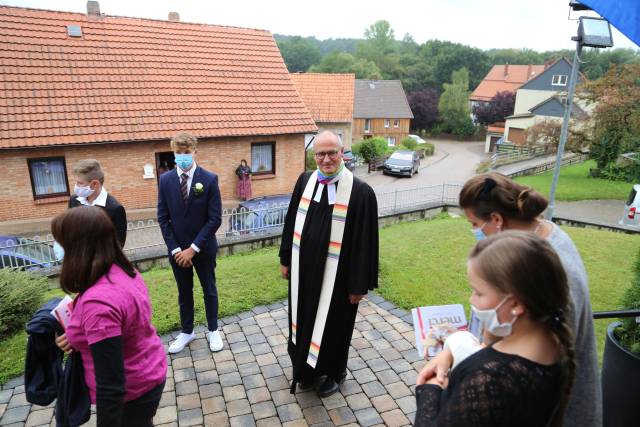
[
  {"x": 181, "y": 342},
  {"x": 215, "y": 341}
]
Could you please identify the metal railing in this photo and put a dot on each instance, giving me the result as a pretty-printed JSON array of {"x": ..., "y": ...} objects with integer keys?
[
  {"x": 534, "y": 170},
  {"x": 508, "y": 153},
  {"x": 144, "y": 237}
]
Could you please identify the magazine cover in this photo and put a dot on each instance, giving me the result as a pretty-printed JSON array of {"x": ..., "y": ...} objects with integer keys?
[
  {"x": 433, "y": 324},
  {"x": 62, "y": 311}
]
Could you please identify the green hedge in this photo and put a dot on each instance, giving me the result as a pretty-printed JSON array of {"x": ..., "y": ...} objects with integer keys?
[{"x": 20, "y": 296}]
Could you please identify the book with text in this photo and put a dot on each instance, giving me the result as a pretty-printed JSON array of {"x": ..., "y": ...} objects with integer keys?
[{"x": 433, "y": 324}]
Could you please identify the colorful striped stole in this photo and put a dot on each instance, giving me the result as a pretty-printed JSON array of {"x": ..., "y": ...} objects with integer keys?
[{"x": 338, "y": 217}]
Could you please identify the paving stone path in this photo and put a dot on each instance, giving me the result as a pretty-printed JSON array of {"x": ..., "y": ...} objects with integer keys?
[{"x": 247, "y": 384}]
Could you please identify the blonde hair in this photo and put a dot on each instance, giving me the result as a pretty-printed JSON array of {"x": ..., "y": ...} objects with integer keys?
[
  {"x": 184, "y": 141},
  {"x": 89, "y": 169}
]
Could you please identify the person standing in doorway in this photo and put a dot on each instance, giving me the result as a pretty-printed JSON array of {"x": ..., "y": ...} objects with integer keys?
[
  {"x": 244, "y": 180},
  {"x": 190, "y": 213}
]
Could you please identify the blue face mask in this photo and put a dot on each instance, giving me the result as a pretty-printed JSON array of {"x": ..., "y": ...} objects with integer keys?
[
  {"x": 479, "y": 233},
  {"x": 184, "y": 161},
  {"x": 58, "y": 251}
]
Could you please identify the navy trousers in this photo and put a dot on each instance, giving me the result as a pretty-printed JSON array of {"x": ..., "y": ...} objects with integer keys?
[{"x": 205, "y": 266}]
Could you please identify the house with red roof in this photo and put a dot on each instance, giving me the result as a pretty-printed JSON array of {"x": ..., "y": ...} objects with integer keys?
[
  {"x": 117, "y": 89},
  {"x": 329, "y": 99},
  {"x": 501, "y": 78}
]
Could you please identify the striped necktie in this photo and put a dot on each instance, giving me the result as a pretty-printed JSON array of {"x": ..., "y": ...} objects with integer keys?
[{"x": 184, "y": 188}]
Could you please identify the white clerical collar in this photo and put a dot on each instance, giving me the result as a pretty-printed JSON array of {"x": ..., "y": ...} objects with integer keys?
[
  {"x": 101, "y": 200},
  {"x": 189, "y": 173}
]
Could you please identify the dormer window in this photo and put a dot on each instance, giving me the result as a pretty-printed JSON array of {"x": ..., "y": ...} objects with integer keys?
[{"x": 559, "y": 80}]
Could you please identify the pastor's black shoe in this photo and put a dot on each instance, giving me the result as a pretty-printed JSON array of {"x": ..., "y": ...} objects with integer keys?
[{"x": 329, "y": 386}]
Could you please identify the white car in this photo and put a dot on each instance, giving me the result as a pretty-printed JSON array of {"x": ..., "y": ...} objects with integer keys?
[
  {"x": 632, "y": 208},
  {"x": 417, "y": 139}
]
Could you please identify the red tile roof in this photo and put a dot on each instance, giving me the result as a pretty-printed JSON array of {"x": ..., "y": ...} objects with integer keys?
[
  {"x": 329, "y": 97},
  {"x": 505, "y": 78},
  {"x": 130, "y": 79}
]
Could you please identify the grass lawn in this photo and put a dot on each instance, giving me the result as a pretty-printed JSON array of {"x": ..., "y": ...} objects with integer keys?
[
  {"x": 424, "y": 263},
  {"x": 576, "y": 184},
  {"x": 421, "y": 263},
  {"x": 244, "y": 281}
]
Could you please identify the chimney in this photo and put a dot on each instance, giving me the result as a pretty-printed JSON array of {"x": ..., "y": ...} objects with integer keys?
[
  {"x": 506, "y": 70},
  {"x": 174, "y": 16},
  {"x": 93, "y": 9},
  {"x": 529, "y": 72}
]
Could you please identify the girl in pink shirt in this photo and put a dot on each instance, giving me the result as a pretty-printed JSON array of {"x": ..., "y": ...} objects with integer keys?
[{"x": 123, "y": 358}]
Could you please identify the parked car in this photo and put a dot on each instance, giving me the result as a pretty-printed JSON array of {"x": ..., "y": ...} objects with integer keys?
[
  {"x": 417, "y": 139},
  {"x": 402, "y": 162},
  {"x": 25, "y": 254},
  {"x": 349, "y": 160},
  {"x": 631, "y": 215},
  {"x": 259, "y": 214}
]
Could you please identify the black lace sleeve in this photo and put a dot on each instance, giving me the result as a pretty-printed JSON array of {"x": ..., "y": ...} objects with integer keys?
[{"x": 490, "y": 392}]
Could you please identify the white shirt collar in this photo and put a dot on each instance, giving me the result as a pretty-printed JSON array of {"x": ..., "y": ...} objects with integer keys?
[
  {"x": 101, "y": 200},
  {"x": 189, "y": 173}
]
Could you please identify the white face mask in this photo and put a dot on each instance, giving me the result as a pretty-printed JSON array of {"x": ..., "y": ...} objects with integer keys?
[
  {"x": 489, "y": 320},
  {"x": 83, "y": 191}
]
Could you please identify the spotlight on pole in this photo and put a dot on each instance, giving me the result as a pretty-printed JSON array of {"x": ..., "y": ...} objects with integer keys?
[{"x": 592, "y": 32}]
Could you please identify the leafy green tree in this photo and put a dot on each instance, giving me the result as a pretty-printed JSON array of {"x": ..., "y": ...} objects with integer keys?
[
  {"x": 370, "y": 148},
  {"x": 454, "y": 104},
  {"x": 447, "y": 57},
  {"x": 299, "y": 54},
  {"x": 379, "y": 47},
  {"x": 616, "y": 118},
  {"x": 341, "y": 62}
]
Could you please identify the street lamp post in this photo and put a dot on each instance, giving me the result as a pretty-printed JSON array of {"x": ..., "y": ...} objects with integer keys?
[{"x": 592, "y": 32}]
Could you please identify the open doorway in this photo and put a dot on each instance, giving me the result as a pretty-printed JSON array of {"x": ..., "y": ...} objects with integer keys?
[{"x": 165, "y": 162}]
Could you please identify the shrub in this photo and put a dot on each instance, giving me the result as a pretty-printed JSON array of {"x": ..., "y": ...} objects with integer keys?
[
  {"x": 371, "y": 148},
  {"x": 310, "y": 161},
  {"x": 628, "y": 173},
  {"x": 409, "y": 143},
  {"x": 429, "y": 148},
  {"x": 629, "y": 333},
  {"x": 20, "y": 296}
]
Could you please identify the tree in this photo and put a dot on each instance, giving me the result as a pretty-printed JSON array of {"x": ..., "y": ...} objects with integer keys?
[
  {"x": 341, "y": 62},
  {"x": 380, "y": 47},
  {"x": 497, "y": 109},
  {"x": 547, "y": 133},
  {"x": 424, "y": 105},
  {"x": 454, "y": 104},
  {"x": 299, "y": 54},
  {"x": 616, "y": 118},
  {"x": 446, "y": 57}
]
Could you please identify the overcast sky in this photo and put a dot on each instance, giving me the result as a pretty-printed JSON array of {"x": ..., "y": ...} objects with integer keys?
[{"x": 535, "y": 24}]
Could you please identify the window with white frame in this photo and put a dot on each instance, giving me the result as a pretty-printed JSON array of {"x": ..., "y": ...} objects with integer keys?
[
  {"x": 367, "y": 125},
  {"x": 396, "y": 123},
  {"x": 391, "y": 140},
  {"x": 387, "y": 123},
  {"x": 559, "y": 80},
  {"x": 48, "y": 177},
  {"x": 263, "y": 158}
]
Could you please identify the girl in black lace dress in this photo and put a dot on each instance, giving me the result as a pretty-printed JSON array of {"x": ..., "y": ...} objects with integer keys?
[{"x": 520, "y": 293}]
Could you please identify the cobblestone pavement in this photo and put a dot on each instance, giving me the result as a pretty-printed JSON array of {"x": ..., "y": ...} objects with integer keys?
[{"x": 247, "y": 384}]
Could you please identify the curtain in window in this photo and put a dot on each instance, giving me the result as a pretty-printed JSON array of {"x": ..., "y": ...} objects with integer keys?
[
  {"x": 48, "y": 177},
  {"x": 262, "y": 158}
]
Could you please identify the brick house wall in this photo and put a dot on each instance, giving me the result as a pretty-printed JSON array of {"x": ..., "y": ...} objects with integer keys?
[{"x": 123, "y": 166}]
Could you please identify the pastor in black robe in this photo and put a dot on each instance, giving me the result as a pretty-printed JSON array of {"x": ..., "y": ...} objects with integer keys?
[{"x": 357, "y": 273}]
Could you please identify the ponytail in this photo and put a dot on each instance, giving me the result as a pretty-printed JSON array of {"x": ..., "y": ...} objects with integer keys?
[{"x": 564, "y": 337}]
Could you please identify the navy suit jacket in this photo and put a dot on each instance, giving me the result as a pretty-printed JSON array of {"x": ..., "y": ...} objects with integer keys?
[{"x": 194, "y": 222}]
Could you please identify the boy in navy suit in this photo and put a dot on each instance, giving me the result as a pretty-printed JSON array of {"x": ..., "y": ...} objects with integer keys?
[{"x": 189, "y": 213}]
